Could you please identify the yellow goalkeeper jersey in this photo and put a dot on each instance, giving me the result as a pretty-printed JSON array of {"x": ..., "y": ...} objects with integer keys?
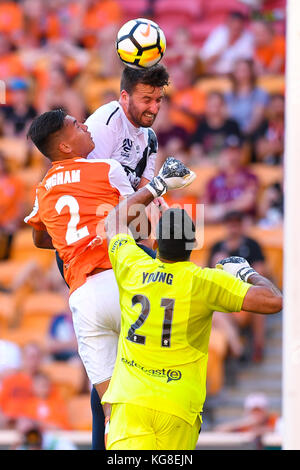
[{"x": 166, "y": 322}]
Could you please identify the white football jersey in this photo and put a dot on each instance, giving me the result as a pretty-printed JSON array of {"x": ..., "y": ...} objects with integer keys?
[{"x": 115, "y": 137}]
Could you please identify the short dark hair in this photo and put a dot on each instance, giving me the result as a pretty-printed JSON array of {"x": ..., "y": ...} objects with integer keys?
[
  {"x": 43, "y": 127},
  {"x": 156, "y": 76},
  {"x": 175, "y": 234}
]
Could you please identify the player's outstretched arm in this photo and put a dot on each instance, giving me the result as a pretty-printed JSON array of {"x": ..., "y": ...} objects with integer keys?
[
  {"x": 172, "y": 175},
  {"x": 263, "y": 297},
  {"x": 42, "y": 239}
]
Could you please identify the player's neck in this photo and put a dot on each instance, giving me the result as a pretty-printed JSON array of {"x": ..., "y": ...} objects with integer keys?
[{"x": 164, "y": 260}]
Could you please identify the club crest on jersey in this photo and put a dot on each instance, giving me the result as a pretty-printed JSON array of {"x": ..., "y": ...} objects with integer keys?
[
  {"x": 126, "y": 147},
  {"x": 118, "y": 243}
]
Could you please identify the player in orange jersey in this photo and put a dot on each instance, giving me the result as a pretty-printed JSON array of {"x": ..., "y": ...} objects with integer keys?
[{"x": 71, "y": 203}]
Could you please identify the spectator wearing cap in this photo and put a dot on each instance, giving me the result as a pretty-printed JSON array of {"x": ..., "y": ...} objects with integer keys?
[
  {"x": 233, "y": 188},
  {"x": 214, "y": 127},
  {"x": 258, "y": 419},
  {"x": 246, "y": 101},
  {"x": 18, "y": 115},
  {"x": 227, "y": 43},
  {"x": 237, "y": 243}
]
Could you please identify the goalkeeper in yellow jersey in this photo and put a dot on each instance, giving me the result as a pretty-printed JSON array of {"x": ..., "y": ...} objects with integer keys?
[{"x": 158, "y": 385}]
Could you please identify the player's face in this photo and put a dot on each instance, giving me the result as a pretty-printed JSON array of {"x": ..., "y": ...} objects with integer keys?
[
  {"x": 77, "y": 137},
  {"x": 143, "y": 104}
]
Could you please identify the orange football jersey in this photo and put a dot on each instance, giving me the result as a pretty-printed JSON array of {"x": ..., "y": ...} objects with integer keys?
[{"x": 71, "y": 203}]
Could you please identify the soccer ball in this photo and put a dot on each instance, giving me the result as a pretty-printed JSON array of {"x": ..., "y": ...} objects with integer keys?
[{"x": 140, "y": 43}]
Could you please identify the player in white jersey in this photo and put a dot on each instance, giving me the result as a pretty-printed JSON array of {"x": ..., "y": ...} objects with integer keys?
[{"x": 122, "y": 129}]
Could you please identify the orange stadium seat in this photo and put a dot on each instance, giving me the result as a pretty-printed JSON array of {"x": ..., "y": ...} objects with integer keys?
[
  {"x": 204, "y": 174},
  {"x": 208, "y": 84},
  {"x": 23, "y": 336},
  {"x": 272, "y": 83},
  {"x": 38, "y": 309},
  {"x": 9, "y": 270},
  {"x": 80, "y": 412},
  {"x": 68, "y": 377},
  {"x": 23, "y": 249},
  {"x": 7, "y": 310}
]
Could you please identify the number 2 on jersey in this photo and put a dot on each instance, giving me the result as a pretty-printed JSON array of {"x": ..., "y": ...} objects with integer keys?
[
  {"x": 167, "y": 304},
  {"x": 73, "y": 234}
]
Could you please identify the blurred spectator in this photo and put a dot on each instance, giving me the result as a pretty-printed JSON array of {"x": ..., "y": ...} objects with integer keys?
[
  {"x": 11, "y": 207},
  {"x": 11, "y": 20},
  {"x": 172, "y": 138},
  {"x": 268, "y": 140},
  {"x": 60, "y": 94},
  {"x": 269, "y": 49},
  {"x": 181, "y": 52},
  {"x": 237, "y": 243},
  {"x": 11, "y": 65},
  {"x": 234, "y": 188},
  {"x": 226, "y": 44},
  {"x": 62, "y": 343},
  {"x": 17, "y": 386},
  {"x": 98, "y": 14},
  {"x": 246, "y": 102},
  {"x": 187, "y": 101},
  {"x": 271, "y": 207},
  {"x": 45, "y": 405},
  {"x": 258, "y": 419},
  {"x": 32, "y": 436},
  {"x": 17, "y": 116},
  {"x": 215, "y": 126}
]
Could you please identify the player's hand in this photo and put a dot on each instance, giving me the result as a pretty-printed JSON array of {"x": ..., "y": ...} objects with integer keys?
[
  {"x": 172, "y": 175},
  {"x": 237, "y": 266}
]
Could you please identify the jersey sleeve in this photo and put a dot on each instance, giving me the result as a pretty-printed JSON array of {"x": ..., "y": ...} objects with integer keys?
[
  {"x": 222, "y": 291},
  {"x": 33, "y": 218},
  {"x": 124, "y": 254},
  {"x": 119, "y": 179},
  {"x": 104, "y": 139}
]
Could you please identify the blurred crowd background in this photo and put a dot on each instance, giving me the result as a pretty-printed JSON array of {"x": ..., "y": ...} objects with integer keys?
[{"x": 223, "y": 115}]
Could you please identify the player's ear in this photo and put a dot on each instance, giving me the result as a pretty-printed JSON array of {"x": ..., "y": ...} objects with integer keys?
[
  {"x": 64, "y": 148},
  {"x": 124, "y": 97}
]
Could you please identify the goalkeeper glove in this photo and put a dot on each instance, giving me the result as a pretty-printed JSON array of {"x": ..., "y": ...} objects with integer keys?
[
  {"x": 172, "y": 175},
  {"x": 239, "y": 267}
]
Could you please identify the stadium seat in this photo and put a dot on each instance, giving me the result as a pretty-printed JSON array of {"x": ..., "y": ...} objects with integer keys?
[
  {"x": 204, "y": 174},
  {"x": 23, "y": 249},
  {"x": 272, "y": 83},
  {"x": 68, "y": 377},
  {"x": 209, "y": 84},
  {"x": 9, "y": 270},
  {"x": 221, "y": 8},
  {"x": 23, "y": 336},
  {"x": 80, "y": 412},
  {"x": 217, "y": 350},
  {"x": 7, "y": 311},
  {"x": 267, "y": 174},
  {"x": 44, "y": 302}
]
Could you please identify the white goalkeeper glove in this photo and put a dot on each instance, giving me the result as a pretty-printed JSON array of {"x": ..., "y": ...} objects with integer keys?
[
  {"x": 239, "y": 267},
  {"x": 172, "y": 175}
]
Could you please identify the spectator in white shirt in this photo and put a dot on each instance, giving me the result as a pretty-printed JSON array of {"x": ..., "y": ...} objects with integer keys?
[{"x": 227, "y": 43}]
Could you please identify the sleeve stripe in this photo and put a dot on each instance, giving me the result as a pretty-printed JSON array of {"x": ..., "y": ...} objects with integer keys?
[{"x": 107, "y": 122}]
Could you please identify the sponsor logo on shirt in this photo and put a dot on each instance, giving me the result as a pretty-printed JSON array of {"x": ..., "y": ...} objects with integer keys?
[
  {"x": 126, "y": 147},
  {"x": 168, "y": 374},
  {"x": 118, "y": 243}
]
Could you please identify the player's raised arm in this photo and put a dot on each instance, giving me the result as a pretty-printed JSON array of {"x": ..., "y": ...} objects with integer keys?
[
  {"x": 42, "y": 239},
  {"x": 173, "y": 175},
  {"x": 263, "y": 297}
]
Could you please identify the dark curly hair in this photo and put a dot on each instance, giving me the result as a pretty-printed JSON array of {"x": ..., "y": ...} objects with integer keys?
[{"x": 156, "y": 76}]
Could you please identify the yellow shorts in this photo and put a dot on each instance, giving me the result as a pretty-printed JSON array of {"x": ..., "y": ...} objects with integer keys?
[{"x": 137, "y": 428}]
